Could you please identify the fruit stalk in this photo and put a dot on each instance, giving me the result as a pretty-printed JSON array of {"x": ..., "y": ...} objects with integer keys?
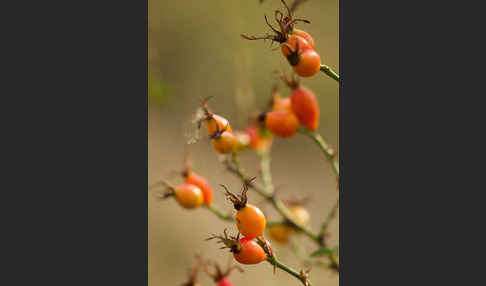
[{"x": 219, "y": 214}]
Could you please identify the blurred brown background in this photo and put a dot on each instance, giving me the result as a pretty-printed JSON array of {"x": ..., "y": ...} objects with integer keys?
[{"x": 195, "y": 51}]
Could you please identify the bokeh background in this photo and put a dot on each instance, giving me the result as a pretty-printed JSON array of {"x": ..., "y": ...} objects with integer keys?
[{"x": 195, "y": 50}]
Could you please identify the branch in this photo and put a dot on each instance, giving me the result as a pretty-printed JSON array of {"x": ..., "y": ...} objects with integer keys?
[
  {"x": 322, "y": 235},
  {"x": 219, "y": 214},
  {"x": 237, "y": 170},
  {"x": 265, "y": 160},
  {"x": 269, "y": 196},
  {"x": 278, "y": 204},
  {"x": 285, "y": 212},
  {"x": 268, "y": 193},
  {"x": 328, "y": 151},
  {"x": 301, "y": 276},
  {"x": 327, "y": 70},
  {"x": 329, "y": 218}
]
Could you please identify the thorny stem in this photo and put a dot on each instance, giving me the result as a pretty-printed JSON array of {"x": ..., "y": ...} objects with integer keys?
[
  {"x": 279, "y": 206},
  {"x": 274, "y": 261},
  {"x": 327, "y": 70},
  {"x": 328, "y": 152}
]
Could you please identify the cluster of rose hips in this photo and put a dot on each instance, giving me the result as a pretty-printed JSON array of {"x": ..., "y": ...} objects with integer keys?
[
  {"x": 196, "y": 191},
  {"x": 226, "y": 141},
  {"x": 252, "y": 248},
  {"x": 193, "y": 193},
  {"x": 297, "y": 46},
  {"x": 282, "y": 118},
  {"x": 286, "y": 113},
  {"x": 220, "y": 277}
]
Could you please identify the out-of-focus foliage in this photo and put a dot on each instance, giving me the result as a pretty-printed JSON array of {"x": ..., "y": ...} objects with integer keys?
[
  {"x": 324, "y": 252},
  {"x": 158, "y": 90}
]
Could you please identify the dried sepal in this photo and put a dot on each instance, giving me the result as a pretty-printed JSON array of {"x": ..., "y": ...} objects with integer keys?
[
  {"x": 229, "y": 241},
  {"x": 187, "y": 163},
  {"x": 288, "y": 21},
  {"x": 204, "y": 105},
  {"x": 218, "y": 131},
  {"x": 275, "y": 95},
  {"x": 167, "y": 191},
  {"x": 291, "y": 81},
  {"x": 294, "y": 55},
  {"x": 207, "y": 114},
  {"x": 218, "y": 273},
  {"x": 286, "y": 24},
  {"x": 193, "y": 273},
  {"x": 239, "y": 201}
]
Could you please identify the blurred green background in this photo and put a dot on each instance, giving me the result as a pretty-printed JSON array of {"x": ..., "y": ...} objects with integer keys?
[{"x": 195, "y": 50}]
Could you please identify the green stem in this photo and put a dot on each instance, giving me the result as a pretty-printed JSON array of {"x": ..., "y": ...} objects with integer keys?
[
  {"x": 327, "y": 70},
  {"x": 328, "y": 152},
  {"x": 265, "y": 161},
  {"x": 285, "y": 212},
  {"x": 244, "y": 177},
  {"x": 278, "y": 204},
  {"x": 299, "y": 251},
  {"x": 329, "y": 218},
  {"x": 274, "y": 261},
  {"x": 281, "y": 208},
  {"x": 219, "y": 214}
]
